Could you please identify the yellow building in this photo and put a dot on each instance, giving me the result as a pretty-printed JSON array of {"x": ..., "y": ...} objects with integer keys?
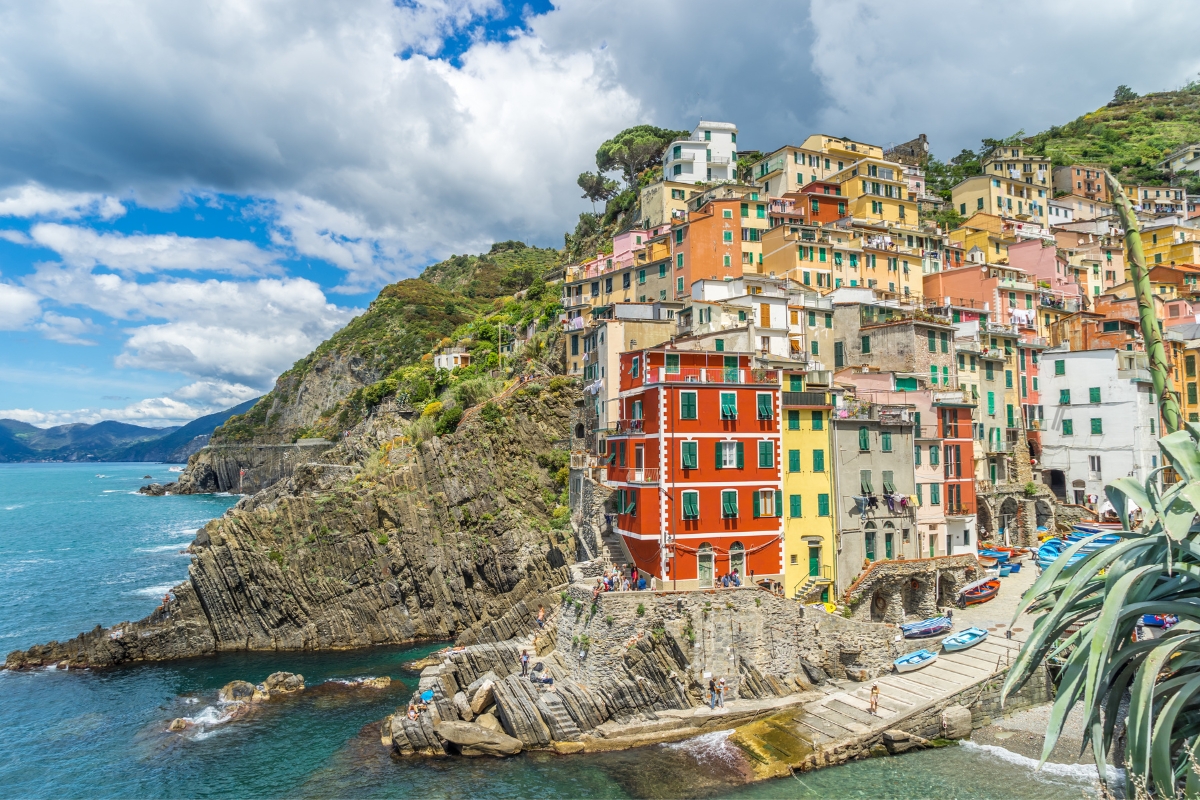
[
  {"x": 1189, "y": 400},
  {"x": 1001, "y": 196},
  {"x": 876, "y": 191},
  {"x": 790, "y": 168},
  {"x": 810, "y": 549},
  {"x": 1157, "y": 199},
  {"x": 1171, "y": 244}
]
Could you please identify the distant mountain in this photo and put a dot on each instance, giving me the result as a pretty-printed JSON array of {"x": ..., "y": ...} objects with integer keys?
[
  {"x": 109, "y": 440},
  {"x": 180, "y": 443}
]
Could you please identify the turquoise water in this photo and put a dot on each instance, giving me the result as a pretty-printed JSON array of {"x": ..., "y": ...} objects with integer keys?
[{"x": 77, "y": 550}]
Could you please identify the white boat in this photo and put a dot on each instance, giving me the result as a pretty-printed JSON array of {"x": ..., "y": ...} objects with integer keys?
[{"x": 914, "y": 660}]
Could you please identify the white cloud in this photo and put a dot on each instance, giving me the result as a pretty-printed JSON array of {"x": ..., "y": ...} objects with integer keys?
[
  {"x": 145, "y": 253},
  {"x": 35, "y": 200},
  {"x": 67, "y": 330},
  {"x": 18, "y": 307},
  {"x": 177, "y": 408}
]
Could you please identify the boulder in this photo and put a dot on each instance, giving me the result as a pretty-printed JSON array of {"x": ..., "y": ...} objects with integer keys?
[
  {"x": 153, "y": 489},
  {"x": 816, "y": 675},
  {"x": 484, "y": 698},
  {"x": 488, "y": 721},
  {"x": 463, "y": 706},
  {"x": 382, "y": 682},
  {"x": 567, "y": 748},
  {"x": 475, "y": 740},
  {"x": 860, "y": 674},
  {"x": 178, "y": 724},
  {"x": 897, "y": 741},
  {"x": 283, "y": 683},
  {"x": 237, "y": 692},
  {"x": 480, "y": 681},
  {"x": 956, "y": 722}
]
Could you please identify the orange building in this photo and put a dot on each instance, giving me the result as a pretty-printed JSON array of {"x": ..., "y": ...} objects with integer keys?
[{"x": 707, "y": 243}]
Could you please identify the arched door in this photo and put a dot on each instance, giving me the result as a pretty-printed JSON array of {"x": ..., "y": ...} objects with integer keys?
[
  {"x": 704, "y": 566},
  {"x": 737, "y": 560},
  {"x": 889, "y": 540}
]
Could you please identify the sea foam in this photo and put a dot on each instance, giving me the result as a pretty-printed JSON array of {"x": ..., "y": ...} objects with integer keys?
[{"x": 1081, "y": 772}]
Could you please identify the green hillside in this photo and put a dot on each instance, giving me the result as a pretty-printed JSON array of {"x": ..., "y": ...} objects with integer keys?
[{"x": 1129, "y": 137}]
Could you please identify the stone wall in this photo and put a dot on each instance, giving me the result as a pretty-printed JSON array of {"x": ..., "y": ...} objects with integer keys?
[
  {"x": 217, "y": 468},
  {"x": 886, "y": 591},
  {"x": 587, "y": 513}
]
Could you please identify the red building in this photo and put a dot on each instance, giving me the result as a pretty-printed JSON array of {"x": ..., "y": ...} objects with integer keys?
[
  {"x": 955, "y": 427},
  {"x": 695, "y": 467}
]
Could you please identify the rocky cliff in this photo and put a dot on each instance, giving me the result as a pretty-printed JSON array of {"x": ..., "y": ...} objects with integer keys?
[{"x": 382, "y": 541}]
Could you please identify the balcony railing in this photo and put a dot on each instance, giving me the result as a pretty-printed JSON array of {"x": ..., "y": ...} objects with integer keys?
[
  {"x": 883, "y": 414},
  {"x": 957, "y": 397},
  {"x": 626, "y": 426},
  {"x": 820, "y": 377},
  {"x": 713, "y": 375},
  {"x": 963, "y": 510},
  {"x": 634, "y": 475},
  {"x": 805, "y": 399},
  {"x": 994, "y": 447}
]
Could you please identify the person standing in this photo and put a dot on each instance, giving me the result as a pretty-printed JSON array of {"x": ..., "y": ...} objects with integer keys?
[
  {"x": 712, "y": 693},
  {"x": 541, "y": 620},
  {"x": 875, "y": 699},
  {"x": 721, "y": 693},
  {"x": 524, "y": 663}
]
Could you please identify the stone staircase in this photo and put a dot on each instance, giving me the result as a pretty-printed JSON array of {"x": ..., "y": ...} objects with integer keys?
[
  {"x": 613, "y": 552},
  {"x": 812, "y": 584}
]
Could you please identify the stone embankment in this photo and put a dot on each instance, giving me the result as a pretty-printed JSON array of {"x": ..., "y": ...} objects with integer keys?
[
  {"x": 630, "y": 668},
  {"x": 391, "y": 544}
]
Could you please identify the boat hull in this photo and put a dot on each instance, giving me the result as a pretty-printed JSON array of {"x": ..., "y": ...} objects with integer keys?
[
  {"x": 915, "y": 661},
  {"x": 964, "y": 640}
]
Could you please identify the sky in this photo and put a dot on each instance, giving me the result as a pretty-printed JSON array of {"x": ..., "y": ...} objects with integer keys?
[{"x": 194, "y": 195}]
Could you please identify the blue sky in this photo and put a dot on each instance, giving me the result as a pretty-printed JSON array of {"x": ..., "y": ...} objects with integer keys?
[{"x": 194, "y": 196}]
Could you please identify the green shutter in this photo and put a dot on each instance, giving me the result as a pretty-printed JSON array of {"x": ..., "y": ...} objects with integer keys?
[
  {"x": 720, "y": 455},
  {"x": 1094, "y": 394},
  {"x": 991, "y": 402},
  {"x": 632, "y": 510},
  {"x": 778, "y": 503},
  {"x": 1060, "y": 367},
  {"x": 1097, "y": 425},
  {"x": 864, "y": 439},
  {"x": 793, "y": 460},
  {"x": 1068, "y": 428},
  {"x": 818, "y": 460},
  {"x": 691, "y": 458},
  {"x": 754, "y": 497},
  {"x": 793, "y": 420},
  {"x": 888, "y": 485},
  {"x": 818, "y": 420},
  {"x": 766, "y": 454},
  {"x": 794, "y": 502},
  {"x": 687, "y": 405},
  {"x": 935, "y": 494},
  {"x": 822, "y": 505},
  {"x": 691, "y": 505},
  {"x": 672, "y": 363},
  {"x": 741, "y": 456},
  {"x": 886, "y": 440},
  {"x": 795, "y": 383},
  {"x": 917, "y": 455},
  {"x": 1011, "y": 419},
  {"x": 935, "y": 453},
  {"x": 864, "y": 481},
  {"x": 920, "y": 495},
  {"x": 728, "y": 405}
]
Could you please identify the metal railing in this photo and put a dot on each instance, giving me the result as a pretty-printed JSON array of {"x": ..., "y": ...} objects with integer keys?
[
  {"x": 713, "y": 375},
  {"x": 884, "y": 414},
  {"x": 634, "y": 475},
  {"x": 630, "y": 426},
  {"x": 961, "y": 510}
]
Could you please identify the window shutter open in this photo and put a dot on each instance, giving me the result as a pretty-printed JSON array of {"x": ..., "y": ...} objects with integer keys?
[
  {"x": 741, "y": 455},
  {"x": 778, "y": 503},
  {"x": 864, "y": 439},
  {"x": 756, "y": 505},
  {"x": 764, "y": 406},
  {"x": 720, "y": 455}
]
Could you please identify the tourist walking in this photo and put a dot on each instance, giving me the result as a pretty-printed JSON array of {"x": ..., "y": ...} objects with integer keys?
[
  {"x": 875, "y": 699},
  {"x": 524, "y": 663},
  {"x": 712, "y": 693}
]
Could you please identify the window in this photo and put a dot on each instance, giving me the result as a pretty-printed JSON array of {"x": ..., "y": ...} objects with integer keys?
[
  {"x": 793, "y": 460},
  {"x": 794, "y": 505},
  {"x": 1008, "y": 379},
  {"x": 689, "y": 455},
  {"x": 1060, "y": 367},
  {"x": 727, "y": 236},
  {"x": 679, "y": 285},
  {"x": 866, "y": 345},
  {"x": 641, "y": 276},
  {"x": 766, "y": 454},
  {"x": 1094, "y": 394},
  {"x": 793, "y": 420},
  {"x": 991, "y": 403},
  {"x": 822, "y": 505},
  {"x": 728, "y": 404},
  {"x": 988, "y": 372},
  {"x": 932, "y": 337},
  {"x": 729, "y": 505},
  {"x": 637, "y": 410},
  {"x": 869, "y": 540},
  {"x": 1094, "y": 463},
  {"x": 631, "y": 502},
  {"x": 727, "y": 214},
  {"x": 720, "y": 345},
  {"x": 864, "y": 481},
  {"x": 934, "y": 455},
  {"x": 935, "y": 494},
  {"x": 635, "y": 365},
  {"x": 1191, "y": 393},
  {"x": 745, "y": 209},
  {"x": 1068, "y": 428},
  {"x": 691, "y": 505},
  {"x": 1097, "y": 425},
  {"x": 818, "y": 420},
  {"x": 864, "y": 439},
  {"x": 687, "y": 404},
  {"x": 818, "y": 458},
  {"x": 730, "y": 455},
  {"x": 885, "y": 439},
  {"x": 726, "y": 261},
  {"x": 765, "y": 410},
  {"x": 625, "y": 277},
  {"x": 767, "y": 503},
  {"x": 678, "y": 265},
  {"x": 1189, "y": 366},
  {"x": 672, "y": 361}
]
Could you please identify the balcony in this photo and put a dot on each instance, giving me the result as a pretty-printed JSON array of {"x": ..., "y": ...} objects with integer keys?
[
  {"x": 633, "y": 475},
  {"x": 628, "y": 426},
  {"x": 963, "y": 510},
  {"x": 791, "y": 399},
  {"x": 874, "y": 412},
  {"x": 768, "y": 377},
  {"x": 719, "y": 160},
  {"x": 819, "y": 377},
  {"x": 958, "y": 397},
  {"x": 998, "y": 448}
]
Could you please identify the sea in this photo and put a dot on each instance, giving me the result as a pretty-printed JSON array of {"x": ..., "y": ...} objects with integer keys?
[{"x": 79, "y": 547}]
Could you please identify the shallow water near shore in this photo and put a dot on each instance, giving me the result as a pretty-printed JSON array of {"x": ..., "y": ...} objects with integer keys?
[{"x": 77, "y": 550}]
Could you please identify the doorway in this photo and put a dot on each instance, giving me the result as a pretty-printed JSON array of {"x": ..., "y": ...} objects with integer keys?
[
  {"x": 814, "y": 562},
  {"x": 889, "y": 540},
  {"x": 949, "y": 544},
  {"x": 704, "y": 566},
  {"x": 737, "y": 559}
]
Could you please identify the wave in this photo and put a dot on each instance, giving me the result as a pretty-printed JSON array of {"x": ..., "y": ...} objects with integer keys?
[
  {"x": 156, "y": 591},
  {"x": 709, "y": 748},
  {"x": 1084, "y": 773},
  {"x": 111, "y": 491},
  {"x": 186, "y": 532},
  {"x": 14, "y": 508},
  {"x": 206, "y": 723},
  {"x": 174, "y": 469},
  {"x": 160, "y": 549}
]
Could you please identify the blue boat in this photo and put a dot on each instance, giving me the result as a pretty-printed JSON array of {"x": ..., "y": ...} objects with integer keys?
[
  {"x": 1005, "y": 569},
  {"x": 1000, "y": 556},
  {"x": 1015, "y": 567},
  {"x": 1051, "y": 549},
  {"x": 964, "y": 639},
  {"x": 914, "y": 660},
  {"x": 926, "y": 628}
]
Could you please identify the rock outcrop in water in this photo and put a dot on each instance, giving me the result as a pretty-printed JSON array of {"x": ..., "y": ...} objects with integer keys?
[{"x": 383, "y": 543}]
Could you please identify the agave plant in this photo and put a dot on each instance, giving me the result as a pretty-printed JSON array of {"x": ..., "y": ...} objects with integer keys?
[{"x": 1090, "y": 610}]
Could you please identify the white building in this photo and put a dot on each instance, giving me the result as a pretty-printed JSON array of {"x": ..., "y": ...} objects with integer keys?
[
  {"x": 708, "y": 155},
  {"x": 454, "y": 357},
  {"x": 1060, "y": 213},
  {"x": 1102, "y": 422}
]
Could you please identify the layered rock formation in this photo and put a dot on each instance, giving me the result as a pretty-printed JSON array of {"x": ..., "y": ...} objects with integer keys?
[
  {"x": 381, "y": 543},
  {"x": 636, "y": 660}
]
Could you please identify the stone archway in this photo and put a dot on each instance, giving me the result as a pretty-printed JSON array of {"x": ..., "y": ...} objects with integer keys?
[
  {"x": 1044, "y": 515},
  {"x": 879, "y": 607},
  {"x": 947, "y": 589},
  {"x": 1006, "y": 524},
  {"x": 983, "y": 518}
]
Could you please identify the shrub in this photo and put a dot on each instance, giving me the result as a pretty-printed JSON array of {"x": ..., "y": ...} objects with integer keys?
[
  {"x": 474, "y": 391},
  {"x": 641, "y": 610},
  {"x": 491, "y": 412},
  {"x": 276, "y": 556},
  {"x": 432, "y": 409},
  {"x": 382, "y": 539},
  {"x": 609, "y": 619},
  {"x": 448, "y": 421},
  {"x": 560, "y": 383}
]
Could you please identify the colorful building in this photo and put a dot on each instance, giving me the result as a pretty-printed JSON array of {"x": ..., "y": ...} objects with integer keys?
[
  {"x": 810, "y": 546},
  {"x": 696, "y": 466}
]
